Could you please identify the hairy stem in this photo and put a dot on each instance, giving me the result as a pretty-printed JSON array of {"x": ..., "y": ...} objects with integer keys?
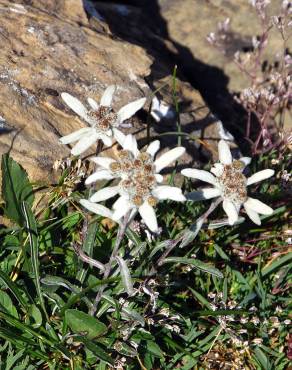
[
  {"x": 172, "y": 245},
  {"x": 108, "y": 266},
  {"x": 88, "y": 259}
]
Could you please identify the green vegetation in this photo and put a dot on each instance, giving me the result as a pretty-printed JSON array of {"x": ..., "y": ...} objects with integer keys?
[{"x": 221, "y": 298}]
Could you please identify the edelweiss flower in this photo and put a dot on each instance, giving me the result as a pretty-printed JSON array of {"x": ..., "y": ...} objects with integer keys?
[
  {"x": 101, "y": 118},
  {"x": 230, "y": 184},
  {"x": 139, "y": 188}
]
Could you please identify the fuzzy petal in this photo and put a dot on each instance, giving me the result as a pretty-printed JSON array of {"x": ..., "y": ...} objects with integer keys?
[
  {"x": 85, "y": 143},
  {"x": 104, "y": 162},
  {"x": 76, "y": 135},
  {"x": 231, "y": 211},
  {"x": 130, "y": 143},
  {"x": 168, "y": 192},
  {"x": 107, "y": 140},
  {"x": 259, "y": 176},
  {"x": 200, "y": 175},
  {"x": 258, "y": 206},
  {"x": 96, "y": 208},
  {"x": 121, "y": 207},
  {"x": 104, "y": 194},
  {"x": 153, "y": 148},
  {"x": 107, "y": 97},
  {"x": 130, "y": 109},
  {"x": 245, "y": 160},
  {"x": 93, "y": 104},
  {"x": 254, "y": 216},
  {"x": 165, "y": 159},
  {"x": 158, "y": 177},
  {"x": 203, "y": 194},
  {"x": 148, "y": 215},
  {"x": 217, "y": 169},
  {"x": 119, "y": 136},
  {"x": 75, "y": 105},
  {"x": 209, "y": 193},
  {"x": 99, "y": 175},
  {"x": 120, "y": 202},
  {"x": 224, "y": 152}
]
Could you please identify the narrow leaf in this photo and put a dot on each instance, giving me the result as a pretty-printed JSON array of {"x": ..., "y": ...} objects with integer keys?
[
  {"x": 125, "y": 275},
  {"x": 189, "y": 235},
  {"x": 196, "y": 263},
  {"x": 15, "y": 188},
  {"x": 31, "y": 226},
  {"x": 96, "y": 350},
  {"x": 13, "y": 288},
  {"x": 88, "y": 248}
]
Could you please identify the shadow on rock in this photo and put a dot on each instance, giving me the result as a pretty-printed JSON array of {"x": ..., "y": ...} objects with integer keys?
[{"x": 140, "y": 22}]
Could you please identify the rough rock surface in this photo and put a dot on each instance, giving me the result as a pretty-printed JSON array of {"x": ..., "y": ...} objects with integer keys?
[
  {"x": 189, "y": 25},
  {"x": 51, "y": 46},
  {"x": 178, "y": 29},
  {"x": 44, "y": 54}
]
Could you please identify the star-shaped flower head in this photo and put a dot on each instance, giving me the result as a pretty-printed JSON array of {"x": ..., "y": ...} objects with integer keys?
[
  {"x": 139, "y": 188},
  {"x": 230, "y": 184},
  {"x": 103, "y": 122}
]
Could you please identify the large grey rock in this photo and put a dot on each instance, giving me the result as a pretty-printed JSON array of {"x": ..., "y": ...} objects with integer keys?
[{"x": 52, "y": 46}]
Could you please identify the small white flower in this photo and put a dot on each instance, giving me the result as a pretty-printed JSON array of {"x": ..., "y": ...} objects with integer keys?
[
  {"x": 255, "y": 320},
  {"x": 242, "y": 331},
  {"x": 230, "y": 184},
  {"x": 160, "y": 110},
  {"x": 257, "y": 341},
  {"x": 139, "y": 187},
  {"x": 102, "y": 120},
  {"x": 275, "y": 322}
]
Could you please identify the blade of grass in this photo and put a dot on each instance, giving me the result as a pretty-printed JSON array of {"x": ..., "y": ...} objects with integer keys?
[
  {"x": 19, "y": 343},
  {"x": 88, "y": 248},
  {"x": 34, "y": 250}
]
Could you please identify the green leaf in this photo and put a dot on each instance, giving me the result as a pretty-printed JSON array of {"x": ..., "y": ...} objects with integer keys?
[
  {"x": 133, "y": 236},
  {"x": 12, "y": 359},
  {"x": 35, "y": 313},
  {"x": 16, "y": 188},
  {"x": 262, "y": 358},
  {"x": 71, "y": 220},
  {"x": 96, "y": 350},
  {"x": 19, "y": 341},
  {"x": 13, "y": 288},
  {"x": 221, "y": 253},
  {"x": 125, "y": 275},
  {"x": 88, "y": 248},
  {"x": 7, "y": 305},
  {"x": 161, "y": 245},
  {"x": 196, "y": 263},
  {"x": 31, "y": 226},
  {"x": 80, "y": 322},
  {"x": 189, "y": 235},
  {"x": 11, "y": 241},
  {"x": 276, "y": 264},
  {"x": 200, "y": 298},
  {"x": 154, "y": 348},
  {"x": 16, "y": 324},
  {"x": 125, "y": 349}
]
